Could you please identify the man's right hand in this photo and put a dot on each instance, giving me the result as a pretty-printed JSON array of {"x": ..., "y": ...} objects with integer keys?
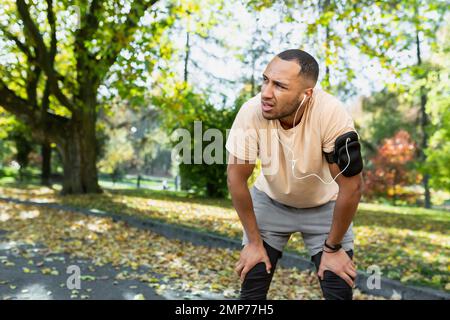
[{"x": 252, "y": 254}]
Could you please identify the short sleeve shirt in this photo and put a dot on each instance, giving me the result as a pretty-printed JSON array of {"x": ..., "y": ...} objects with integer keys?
[{"x": 253, "y": 137}]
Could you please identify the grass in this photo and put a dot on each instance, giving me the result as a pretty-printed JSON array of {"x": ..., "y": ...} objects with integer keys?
[{"x": 408, "y": 244}]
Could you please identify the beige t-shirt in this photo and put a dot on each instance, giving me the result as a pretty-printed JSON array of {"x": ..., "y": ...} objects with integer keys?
[{"x": 251, "y": 136}]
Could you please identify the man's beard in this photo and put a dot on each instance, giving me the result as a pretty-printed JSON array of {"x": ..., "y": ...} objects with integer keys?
[{"x": 286, "y": 113}]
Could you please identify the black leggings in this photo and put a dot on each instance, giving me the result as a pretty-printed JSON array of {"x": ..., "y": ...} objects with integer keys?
[{"x": 257, "y": 281}]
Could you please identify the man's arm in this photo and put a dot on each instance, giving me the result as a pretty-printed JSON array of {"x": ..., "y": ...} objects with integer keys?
[
  {"x": 350, "y": 190},
  {"x": 254, "y": 252},
  {"x": 237, "y": 176}
]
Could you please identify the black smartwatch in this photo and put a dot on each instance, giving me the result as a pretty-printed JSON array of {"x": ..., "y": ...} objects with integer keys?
[{"x": 332, "y": 248}]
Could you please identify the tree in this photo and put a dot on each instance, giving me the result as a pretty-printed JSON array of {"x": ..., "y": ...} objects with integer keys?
[
  {"x": 384, "y": 113},
  {"x": 24, "y": 146},
  {"x": 401, "y": 28},
  {"x": 52, "y": 83},
  {"x": 390, "y": 170},
  {"x": 7, "y": 125},
  {"x": 437, "y": 86},
  {"x": 184, "y": 109}
]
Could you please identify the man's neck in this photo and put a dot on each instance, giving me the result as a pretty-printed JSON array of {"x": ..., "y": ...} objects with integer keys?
[{"x": 288, "y": 122}]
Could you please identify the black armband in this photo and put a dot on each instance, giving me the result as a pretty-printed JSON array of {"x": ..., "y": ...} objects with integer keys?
[{"x": 340, "y": 157}]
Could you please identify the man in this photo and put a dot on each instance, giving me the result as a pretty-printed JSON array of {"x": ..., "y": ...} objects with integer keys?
[{"x": 314, "y": 143}]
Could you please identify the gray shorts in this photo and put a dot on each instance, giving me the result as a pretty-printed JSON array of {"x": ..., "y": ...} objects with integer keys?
[{"x": 277, "y": 222}]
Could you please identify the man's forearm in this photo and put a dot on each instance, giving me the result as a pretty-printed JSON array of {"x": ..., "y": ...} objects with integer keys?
[
  {"x": 344, "y": 211},
  {"x": 242, "y": 202}
]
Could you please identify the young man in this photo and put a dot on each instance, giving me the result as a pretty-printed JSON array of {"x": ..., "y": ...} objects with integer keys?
[{"x": 305, "y": 139}]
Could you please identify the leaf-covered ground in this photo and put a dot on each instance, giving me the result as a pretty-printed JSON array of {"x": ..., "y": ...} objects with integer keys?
[
  {"x": 408, "y": 244},
  {"x": 180, "y": 266},
  {"x": 33, "y": 272}
]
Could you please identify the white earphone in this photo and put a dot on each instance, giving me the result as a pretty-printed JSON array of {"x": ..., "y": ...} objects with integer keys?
[{"x": 294, "y": 160}]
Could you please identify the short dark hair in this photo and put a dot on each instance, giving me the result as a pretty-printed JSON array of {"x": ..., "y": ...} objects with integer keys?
[{"x": 309, "y": 68}]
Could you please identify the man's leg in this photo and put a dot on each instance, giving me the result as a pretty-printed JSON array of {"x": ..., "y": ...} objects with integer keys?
[
  {"x": 257, "y": 281},
  {"x": 315, "y": 226},
  {"x": 275, "y": 228},
  {"x": 333, "y": 287}
]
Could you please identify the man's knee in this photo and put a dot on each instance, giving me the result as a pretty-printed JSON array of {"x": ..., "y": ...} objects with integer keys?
[
  {"x": 257, "y": 281},
  {"x": 333, "y": 287}
]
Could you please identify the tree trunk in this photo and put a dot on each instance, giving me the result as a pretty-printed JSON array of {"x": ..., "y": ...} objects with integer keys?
[
  {"x": 79, "y": 153},
  {"x": 327, "y": 47},
  {"x": 423, "y": 123},
  {"x": 46, "y": 153},
  {"x": 323, "y": 8},
  {"x": 186, "y": 58},
  {"x": 394, "y": 196},
  {"x": 424, "y": 146},
  {"x": 211, "y": 190}
]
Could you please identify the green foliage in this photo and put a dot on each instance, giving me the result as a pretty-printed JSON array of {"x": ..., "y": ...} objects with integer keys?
[
  {"x": 181, "y": 108},
  {"x": 384, "y": 114},
  {"x": 438, "y": 102},
  {"x": 64, "y": 57},
  {"x": 16, "y": 142},
  {"x": 132, "y": 140},
  {"x": 382, "y": 31}
]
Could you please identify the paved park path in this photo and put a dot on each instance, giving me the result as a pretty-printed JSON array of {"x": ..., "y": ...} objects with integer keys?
[{"x": 32, "y": 272}]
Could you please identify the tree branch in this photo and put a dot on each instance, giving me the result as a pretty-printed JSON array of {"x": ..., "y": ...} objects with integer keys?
[
  {"x": 15, "y": 104},
  {"x": 51, "y": 21},
  {"x": 22, "y": 47},
  {"x": 26, "y": 50},
  {"x": 44, "y": 57},
  {"x": 33, "y": 75},
  {"x": 91, "y": 22},
  {"x": 50, "y": 125},
  {"x": 124, "y": 35},
  {"x": 85, "y": 63}
]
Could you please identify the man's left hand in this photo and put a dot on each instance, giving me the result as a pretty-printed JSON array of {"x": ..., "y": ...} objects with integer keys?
[{"x": 339, "y": 263}]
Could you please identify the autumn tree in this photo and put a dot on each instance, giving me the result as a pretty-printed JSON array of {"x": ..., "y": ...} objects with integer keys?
[
  {"x": 390, "y": 167},
  {"x": 60, "y": 53}
]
